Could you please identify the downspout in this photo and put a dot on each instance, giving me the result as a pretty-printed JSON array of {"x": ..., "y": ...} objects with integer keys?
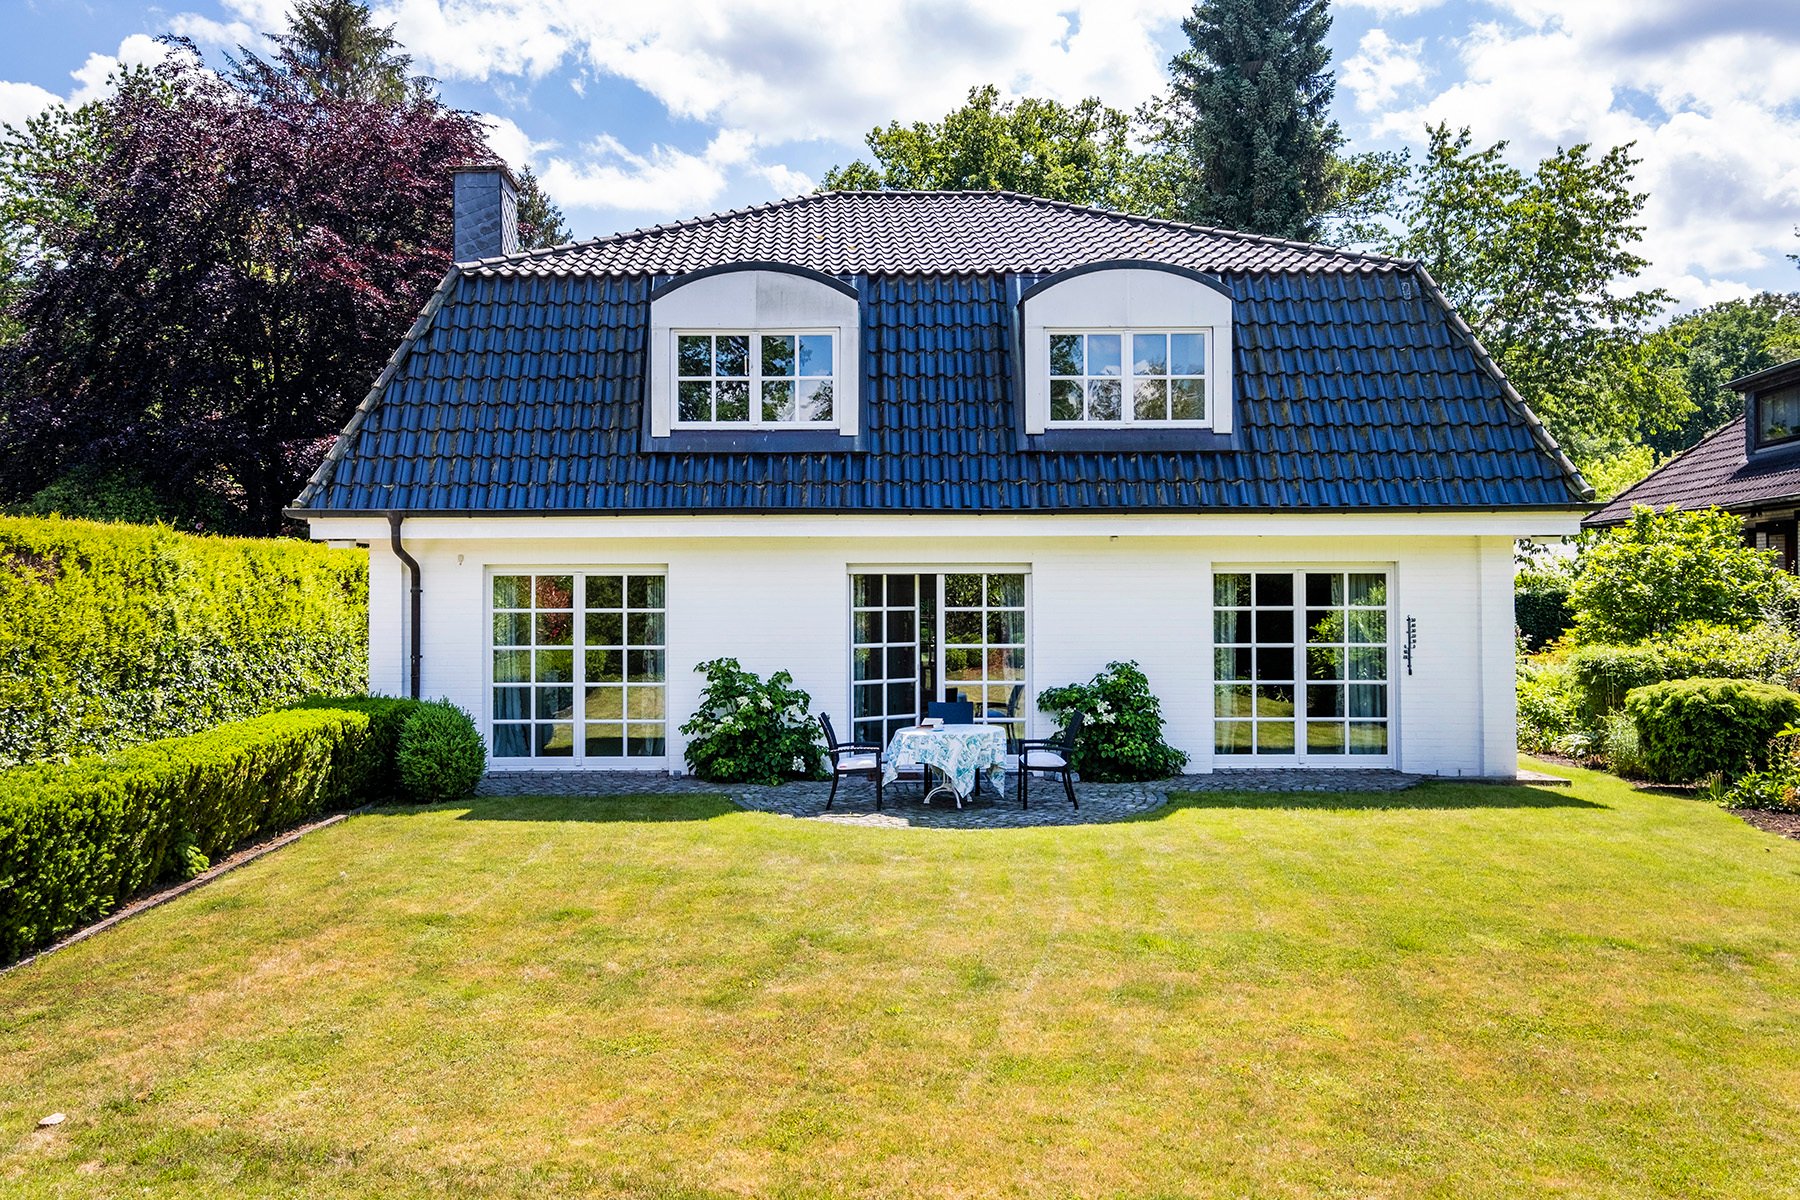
[{"x": 414, "y": 609}]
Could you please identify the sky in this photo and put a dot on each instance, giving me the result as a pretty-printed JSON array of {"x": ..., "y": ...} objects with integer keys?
[{"x": 643, "y": 111}]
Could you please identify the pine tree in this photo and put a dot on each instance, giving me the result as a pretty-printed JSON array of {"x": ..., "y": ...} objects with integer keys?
[
  {"x": 337, "y": 50},
  {"x": 541, "y": 222},
  {"x": 1256, "y": 79}
]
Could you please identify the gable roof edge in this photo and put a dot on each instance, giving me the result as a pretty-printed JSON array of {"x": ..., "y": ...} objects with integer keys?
[
  {"x": 1598, "y": 519},
  {"x": 1582, "y": 488},
  {"x": 421, "y": 325}
]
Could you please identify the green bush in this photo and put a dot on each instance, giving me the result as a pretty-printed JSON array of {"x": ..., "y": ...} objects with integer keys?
[
  {"x": 1547, "y": 704},
  {"x": 1604, "y": 674},
  {"x": 749, "y": 731},
  {"x": 1122, "y": 739},
  {"x": 387, "y": 717},
  {"x": 1689, "y": 729},
  {"x": 1767, "y": 651},
  {"x": 440, "y": 755},
  {"x": 1619, "y": 746},
  {"x": 1541, "y": 606},
  {"x": 115, "y": 634},
  {"x": 1775, "y": 788},
  {"x": 78, "y": 838}
]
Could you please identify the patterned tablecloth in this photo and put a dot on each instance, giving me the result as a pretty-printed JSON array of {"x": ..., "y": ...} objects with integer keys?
[{"x": 956, "y": 750}]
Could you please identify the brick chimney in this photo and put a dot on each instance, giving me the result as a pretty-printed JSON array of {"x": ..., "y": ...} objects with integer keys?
[{"x": 487, "y": 213}]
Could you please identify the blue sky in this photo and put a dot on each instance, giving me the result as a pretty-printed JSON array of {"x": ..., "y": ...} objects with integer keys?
[{"x": 639, "y": 112}]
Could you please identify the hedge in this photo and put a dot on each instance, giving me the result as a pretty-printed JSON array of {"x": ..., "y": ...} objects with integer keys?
[
  {"x": 78, "y": 838},
  {"x": 1541, "y": 606},
  {"x": 1604, "y": 675},
  {"x": 1690, "y": 729},
  {"x": 117, "y": 634}
]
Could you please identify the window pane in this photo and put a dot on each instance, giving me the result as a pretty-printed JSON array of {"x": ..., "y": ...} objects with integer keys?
[
  {"x": 555, "y": 666},
  {"x": 512, "y": 666},
  {"x": 1274, "y": 625},
  {"x": 606, "y": 741},
  {"x": 815, "y": 400},
  {"x": 865, "y": 591},
  {"x": 1065, "y": 400},
  {"x": 1325, "y": 737},
  {"x": 777, "y": 354},
  {"x": 1275, "y": 589},
  {"x": 1368, "y": 625},
  {"x": 644, "y": 741},
  {"x": 512, "y": 741},
  {"x": 1275, "y": 701},
  {"x": 1368, "y": 700},
  {"x": 866, "y": 627},
  {"x": 900, "y": 627},
  {"x": 646, "y": 704},
  {"x": 962, "y": 664},
  {"x": 1151, "y": 400},
  {"x": 902, "y": 662},
  {"x": 1150, "y": 353},
  {"x": 556, "y": 591},
  {"x": 512, "y": 591},
  {"x": 1369, "y": 590},
  {"x": 815, "y": 354},
  {"x": 1231, "y": 664},
  {"x": 644, "y": 666},
  {"x": 962, "y": 628},
  {"x": 1006, "y": 628},
  {"x": 644, "y": 629},
  {"x": 1274, "y": 664},
  {"x": 1324, "y": 700},
  {"x": 1007, "y": 663},
  {"x": 1324, "y": 663},
  {"x": 605, "y": 591},
  {"x": 605, "y": 629},
  {"x": 645, "y": 591},
  {"x": 733, "y": 354},
  {"x": 962, "y": 591},
  {"x": 1231, "y": 700},
  {"x": 512, "y": 703},
  {"x": 865, "y": 700},
  {"x": 899, "y": 697},
  {"x": 1103, "y": 400},
  {"x": 1324, "y": 626},
  {"x": 732, "y": 402},
  {"x": 1232, "y": 737},
  {"x": 1187, "y": 400},
  {"x": 1368, "y": 662},
  {"x": 1006, "y": 591},
  {"x": 1187, "y": 354},
  {"x": 553, "y": 703},
  {"x": 1232, "y": 589},
  {"x": 1103, "y": 353},
  {"x": 778, "y": 401},
  {"x": 900, "y": 589},
  {"x": 555, "y": 629},
  {"x": 605, "y": 703},
  {"x": 1369, "y": 738},
  {"x": 694, "y": 402},
  {"x": 693, "y": 355},
  {"x": 1231, "y": 625},
  {"x": 1275, "y": 737},
  {"x": 1778, "y": 415},
  {"x": 1324, "y": 590},
  {"x": 866, "y": 664},
  {"x": 1065, "y": 354}
]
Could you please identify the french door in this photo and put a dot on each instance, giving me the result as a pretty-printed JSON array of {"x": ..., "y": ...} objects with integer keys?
[
  {"x": 1301, "y": 666},
  {"x": 917, "y": 636}
]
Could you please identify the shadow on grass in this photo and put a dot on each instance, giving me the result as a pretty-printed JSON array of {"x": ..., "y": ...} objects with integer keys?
[
  {"x": 1423, "y": 796},
  {"x": 597, "y": 808}
]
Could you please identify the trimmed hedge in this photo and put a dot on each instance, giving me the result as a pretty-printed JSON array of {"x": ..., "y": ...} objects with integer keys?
[
  {"x": 1541, "y": 606},
  {"x": 440, "y": 755},
  {"x": 1604, "y": 675},
  {"x": 1690, "y": 729},
  {"x": 116, "y": 634},
  {"x": 78, "y": 838}
]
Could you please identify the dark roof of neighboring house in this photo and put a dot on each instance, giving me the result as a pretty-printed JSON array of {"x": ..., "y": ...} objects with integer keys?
[
  {"x": 1713, "y": 473},
  {"x": 520, "y": 388}
]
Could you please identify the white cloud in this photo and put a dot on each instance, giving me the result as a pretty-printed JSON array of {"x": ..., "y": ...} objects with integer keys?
[
  {"x": 19, "y": 102},
  {"x": 512, "y": 143},
  {"x": 1391, "y": 8},
  {"x": 784, "y": 180},
  {"x": 609, "y": 176},
  {"x": 1381, "y": 69},
  {"x": 1713, "y": 122},
  {"x": 93, "y": 80}
]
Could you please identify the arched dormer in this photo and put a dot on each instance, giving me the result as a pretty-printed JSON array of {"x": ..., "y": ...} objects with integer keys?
[
  {"x": 755, "y": 352},
  {"x": 1127, "y": 347}
]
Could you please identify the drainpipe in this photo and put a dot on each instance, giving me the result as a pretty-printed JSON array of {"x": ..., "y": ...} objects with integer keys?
[{"x": 412, "y": 570}]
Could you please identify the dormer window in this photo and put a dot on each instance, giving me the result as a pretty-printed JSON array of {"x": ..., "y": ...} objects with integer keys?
[
  {"x": 1778, "y": 416},
  {"x": 757, "y": 356},
  {"x": 754, "y": 380},
  {"x": 1128, "y": 377},
  {"x": 1126, "y": 350}
]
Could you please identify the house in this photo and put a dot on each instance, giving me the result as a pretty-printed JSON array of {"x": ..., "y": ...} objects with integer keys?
[
  {"x": 1750, "y": 466},
  {"x": 901, "y": 443}
]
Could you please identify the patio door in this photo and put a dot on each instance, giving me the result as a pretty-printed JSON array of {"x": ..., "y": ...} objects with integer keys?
[{"x": 916, "y": 636}]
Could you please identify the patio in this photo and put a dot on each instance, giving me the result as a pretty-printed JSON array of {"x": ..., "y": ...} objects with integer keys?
[{"x": 1101, "y": 803}]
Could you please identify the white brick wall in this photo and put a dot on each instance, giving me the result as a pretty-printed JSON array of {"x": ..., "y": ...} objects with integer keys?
[{"x": 783, "y": 602}]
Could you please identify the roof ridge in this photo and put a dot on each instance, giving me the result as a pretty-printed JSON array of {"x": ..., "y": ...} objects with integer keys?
[{"x": 1674, "y": 458}]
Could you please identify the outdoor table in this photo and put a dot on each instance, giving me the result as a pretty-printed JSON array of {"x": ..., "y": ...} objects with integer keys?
[{"x": 955, "y": 752}]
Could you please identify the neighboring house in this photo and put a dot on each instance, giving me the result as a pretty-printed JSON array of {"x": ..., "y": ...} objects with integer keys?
[
  {"x": 1751, "y": 467},
  {"x": 904, "y": 442}
]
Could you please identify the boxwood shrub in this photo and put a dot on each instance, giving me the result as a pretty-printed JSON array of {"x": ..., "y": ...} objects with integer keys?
[
  {"x": 79, "y": 838},
  {"x": 1690, "y": 729}
]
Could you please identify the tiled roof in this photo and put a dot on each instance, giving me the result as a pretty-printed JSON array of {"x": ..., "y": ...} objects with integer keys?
[
  {"x": 925, "y": 233},
  {"x": 521, "y": 391},
  {"x": 1716, "y": 472}
]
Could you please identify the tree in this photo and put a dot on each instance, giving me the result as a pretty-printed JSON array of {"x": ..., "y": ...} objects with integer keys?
[
  {"x": 1255, "y": 78},
  {"x": 1696, "y": 356},
  {"x": 1660, "y": 571},
  {"x": 224, "y": 263},
  {"x": 541, "y": 222},
  {"x": 334, "y": 48},
  {"x": 1540, "y": 266},
  {"x": 1081, "y": 153}
]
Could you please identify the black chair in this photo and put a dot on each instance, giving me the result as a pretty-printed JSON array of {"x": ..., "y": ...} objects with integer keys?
[
  {"x": 952, "y": 712},
  {"x": 850, "y": 758},
  {"x": 1050, "y": 756}
]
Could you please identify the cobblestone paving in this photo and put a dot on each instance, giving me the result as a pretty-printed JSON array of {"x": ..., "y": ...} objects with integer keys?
[{"x": 903, "y": 807}]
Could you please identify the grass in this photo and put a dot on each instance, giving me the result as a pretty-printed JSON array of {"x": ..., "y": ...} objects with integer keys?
[{"x": 1455, "y": 991}]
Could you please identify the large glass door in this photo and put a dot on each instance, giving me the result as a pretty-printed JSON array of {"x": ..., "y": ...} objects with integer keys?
[
  {"x": 917, "y": 637},
  {"x": 1301, "y": 666}
]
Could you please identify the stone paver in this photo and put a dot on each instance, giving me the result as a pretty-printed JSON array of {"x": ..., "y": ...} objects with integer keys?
[{"x": 1100, "y": 802}]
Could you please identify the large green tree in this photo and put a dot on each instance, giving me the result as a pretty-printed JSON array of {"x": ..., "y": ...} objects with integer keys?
[
  {"x": 1083, "y": 153},
  {"x": 1256, "y": 84},
  {"x": 1542, "y": 264},
  {"x": 1696, "y": 356},
  {"x": 541, "y": 222},
  {"x": 334, "y": 48}
]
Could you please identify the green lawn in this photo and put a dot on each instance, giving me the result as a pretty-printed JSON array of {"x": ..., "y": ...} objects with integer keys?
[{"x": 1473, "y": 991}]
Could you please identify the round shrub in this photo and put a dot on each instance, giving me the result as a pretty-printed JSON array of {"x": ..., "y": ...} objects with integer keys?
[
  {"x": 1690, "y": 729},
  {"x": 440, "y": 755},
  {"x": 747, "y": 730},
  {"x": 1122, "y": 739}
]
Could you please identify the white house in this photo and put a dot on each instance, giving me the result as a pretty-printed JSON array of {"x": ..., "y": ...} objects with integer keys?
[{"x": 903, "y": 442}]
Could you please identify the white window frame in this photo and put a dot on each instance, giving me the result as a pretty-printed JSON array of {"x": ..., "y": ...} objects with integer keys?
[
  {"x": 756, "y": 378},
  {"x": 1300, "y": 757},
  {"x": 1127, "y": 377},
  {"x": 579, "y": 758}
]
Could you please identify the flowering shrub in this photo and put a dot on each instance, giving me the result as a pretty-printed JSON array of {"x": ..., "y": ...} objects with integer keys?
[
  {"x": 750, "y": 731},
  {"x": 1775, "y": 788},
  {"x": 1122, "y": 739}
]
